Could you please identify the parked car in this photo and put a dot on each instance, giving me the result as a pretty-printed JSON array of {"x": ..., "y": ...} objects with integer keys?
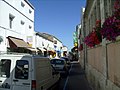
[
  {"x": 60, "y": 65},
  {"x": 67, "y": 61},
  {"x": 26, "y": 72}
]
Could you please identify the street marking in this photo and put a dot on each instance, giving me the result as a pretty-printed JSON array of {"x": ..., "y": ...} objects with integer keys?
[{"x": 67, "y": 78}]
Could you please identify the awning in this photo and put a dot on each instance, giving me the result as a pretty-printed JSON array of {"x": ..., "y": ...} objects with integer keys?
[
  {"x": 45, "y": 49},
  {"x": 32, "y": 49},
  {"x": 41, "y": 49},
  {"x": 17, "y": 42}
]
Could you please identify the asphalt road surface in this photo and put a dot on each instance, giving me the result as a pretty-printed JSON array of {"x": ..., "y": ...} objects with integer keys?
[{"x": 76, "y": 79}]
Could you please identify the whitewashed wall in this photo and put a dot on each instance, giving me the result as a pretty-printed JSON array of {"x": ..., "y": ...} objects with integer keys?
[{"x": 21, "y": 14}]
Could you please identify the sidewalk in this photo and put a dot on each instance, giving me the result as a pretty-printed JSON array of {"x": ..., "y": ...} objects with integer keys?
[{"x": 76, "y": 79}]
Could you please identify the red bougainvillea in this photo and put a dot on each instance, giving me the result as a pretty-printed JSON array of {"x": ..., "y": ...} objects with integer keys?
[
  {"x": 92, "y": 39},
  {"x": 109, "y": 30},
  {"x": 111, "y": 27}
]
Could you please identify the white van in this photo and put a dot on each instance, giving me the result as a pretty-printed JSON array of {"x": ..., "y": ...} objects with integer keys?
[{"x": 26, "y": 72}]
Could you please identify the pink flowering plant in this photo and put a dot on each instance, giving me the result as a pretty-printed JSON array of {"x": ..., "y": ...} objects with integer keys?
[
  {"x": 94, "y": 38},
  {"x": 111, "y": 27}
]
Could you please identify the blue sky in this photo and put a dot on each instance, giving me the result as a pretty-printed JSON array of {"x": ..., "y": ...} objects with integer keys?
[{"x": 58, "y": 18}]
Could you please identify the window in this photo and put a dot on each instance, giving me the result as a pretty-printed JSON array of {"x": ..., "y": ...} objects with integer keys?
[
  {"x": 55, "y": 42},
  {"x": 57, "y": 61},
  {"x": 5, "y": 68},
  {"x": 98, "y": 10},
  {"x": 21, "y": 69},
  {"x": 95, "y": 15},
  {"x": 112, "y": 6},
  {"x": 22, "y": 22},
  {"x": 30, "y": 27},
  {"x": 106, "y": 8},
  {"x": 89, "y": 26},
  {"x": 11, "y": 17},
  {"x": 30, "y": 11},
  {"x": 22, "y": 4}
]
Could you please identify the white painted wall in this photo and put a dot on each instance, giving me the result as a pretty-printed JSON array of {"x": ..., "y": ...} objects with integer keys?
[
  {"x": 39, "y": 41},
  {"x": 51, "y": 45},
  {"x": 20, "y": 13},
  {"x": 58, "y": 47}
]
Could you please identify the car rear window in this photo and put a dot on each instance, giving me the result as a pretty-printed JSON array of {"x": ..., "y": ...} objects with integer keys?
[
  {"x": 21, "y": 69},
  {"x": 5, "y": 65},
  {"x": 57, "y": 61}
]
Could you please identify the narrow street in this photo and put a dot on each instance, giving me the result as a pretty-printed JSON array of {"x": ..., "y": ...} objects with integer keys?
[
  {"x": 59, "y": 44},
  {"x": 76, "y": 80}
]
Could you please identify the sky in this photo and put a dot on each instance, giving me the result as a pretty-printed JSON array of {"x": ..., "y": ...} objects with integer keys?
[{"x": 58, "y": 18}]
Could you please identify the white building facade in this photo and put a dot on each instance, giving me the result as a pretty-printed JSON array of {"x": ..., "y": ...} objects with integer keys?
[
  {"x": 58, "y": 47},
  {"x": 42, "y": 43},
  {"x": 16, "y": 20},
  {"x": 49, "y": 45}
]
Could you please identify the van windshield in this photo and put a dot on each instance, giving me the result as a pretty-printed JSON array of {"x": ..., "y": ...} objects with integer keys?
[
  {"x": 5, "y": 68},
  {"x": 21, "y": 69}
]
